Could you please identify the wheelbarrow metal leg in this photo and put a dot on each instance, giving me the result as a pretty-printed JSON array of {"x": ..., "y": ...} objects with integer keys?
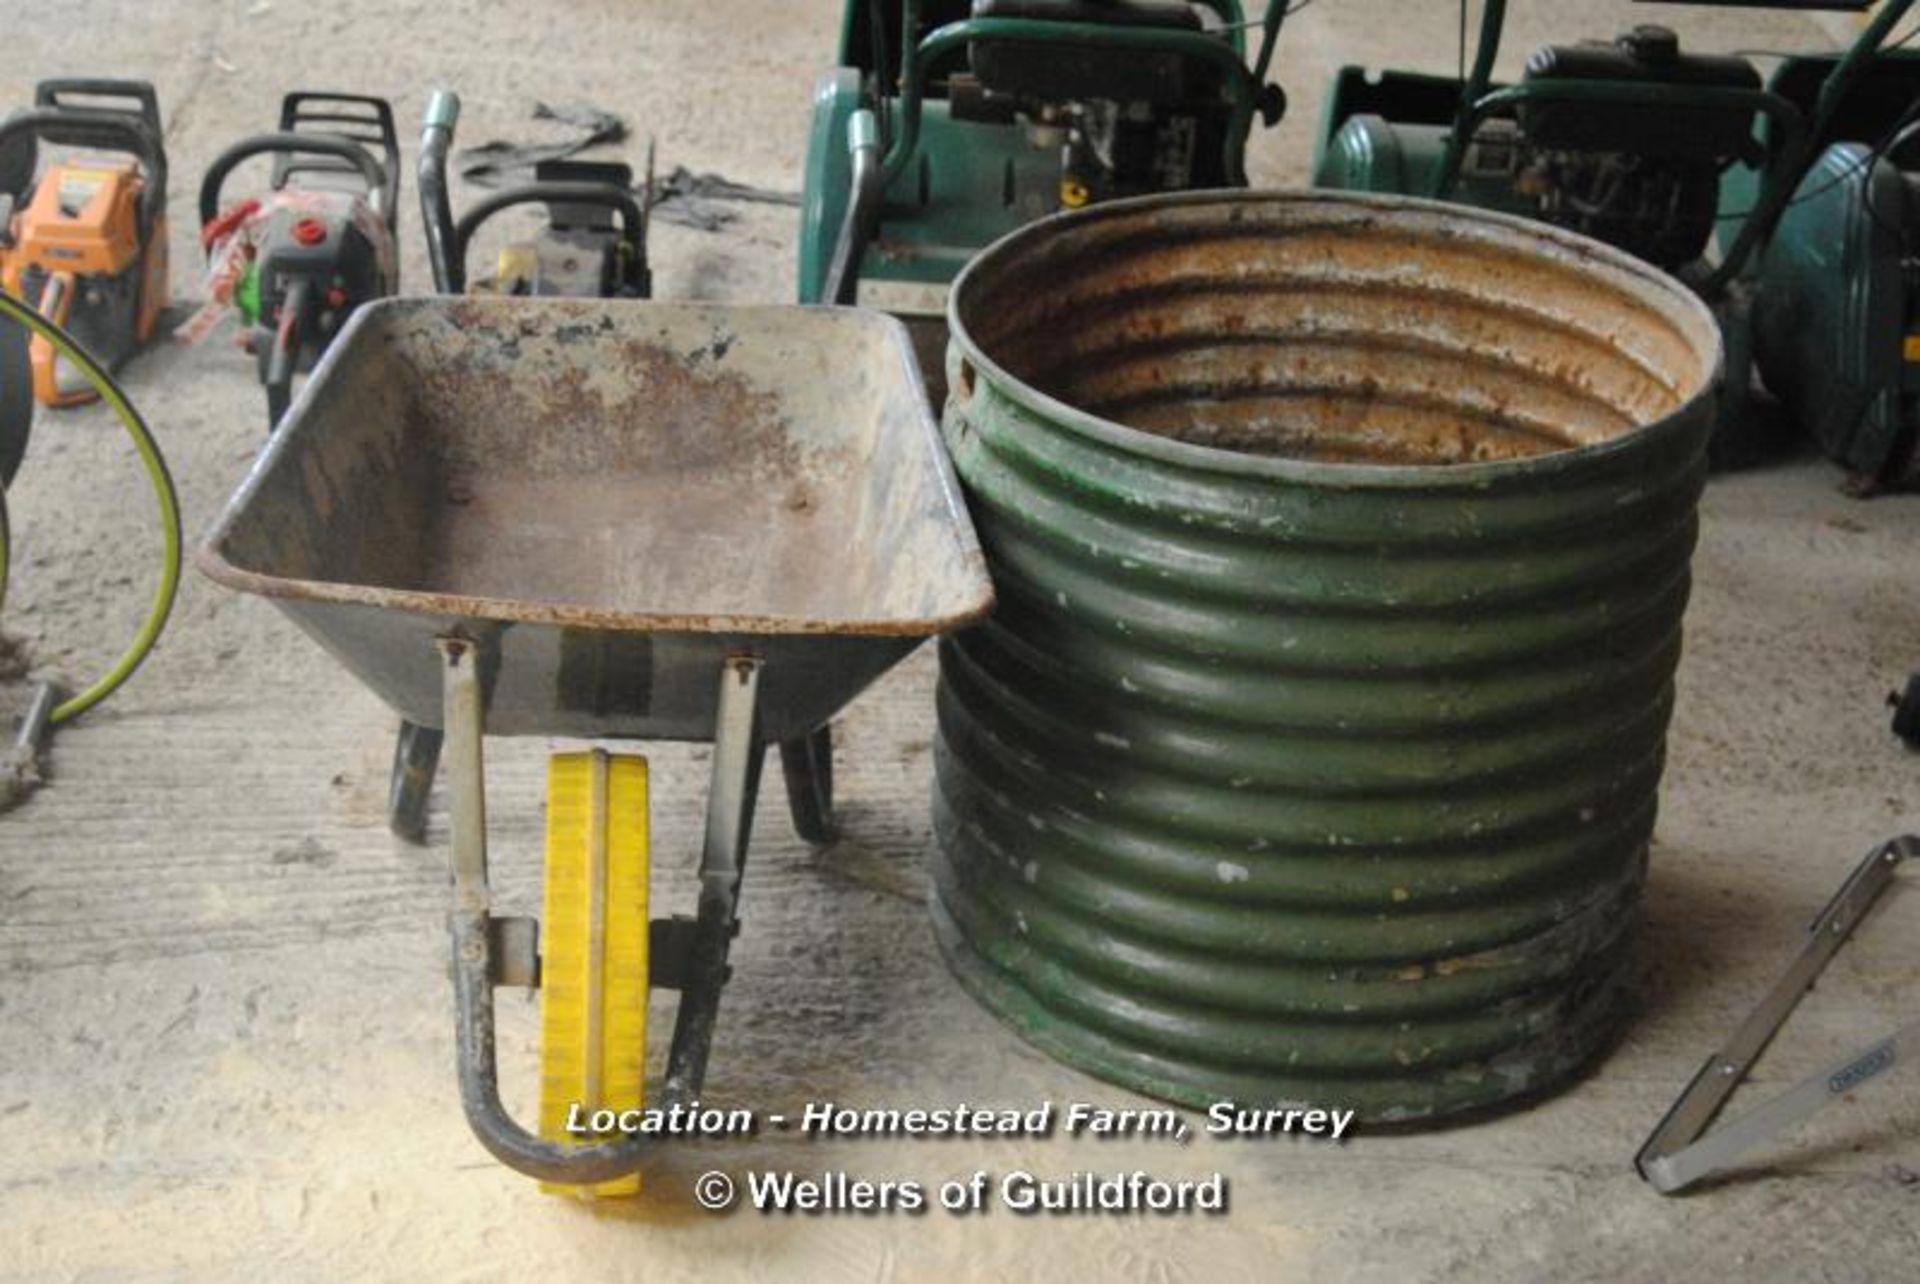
[
  {"x": 737, "y": 754},
  {"x": 807, "y": 763},
  {"x": 416, "y": 755},
  {"x": 473, "y": 947}
]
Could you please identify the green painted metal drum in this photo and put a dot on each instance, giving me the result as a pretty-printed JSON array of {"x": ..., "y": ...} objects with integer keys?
[{"x": 1341, "y": 545}]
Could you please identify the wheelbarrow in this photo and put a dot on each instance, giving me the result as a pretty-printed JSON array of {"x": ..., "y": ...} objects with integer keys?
[{"x": 613, "y": 520}]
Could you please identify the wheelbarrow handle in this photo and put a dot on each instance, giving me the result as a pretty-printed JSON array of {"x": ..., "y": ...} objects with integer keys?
[
  {"x": 504, "y": 1139},
  {"x": 473, "y": 964}
]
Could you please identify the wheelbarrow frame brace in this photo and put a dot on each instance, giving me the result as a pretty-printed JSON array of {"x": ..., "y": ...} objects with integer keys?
[
  {"x": 1580, "y": 110},
  {"x": 689, "y": 954}
]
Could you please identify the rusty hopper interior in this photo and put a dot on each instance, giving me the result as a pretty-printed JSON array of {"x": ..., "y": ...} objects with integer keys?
[{"x": 610, "y": 494}]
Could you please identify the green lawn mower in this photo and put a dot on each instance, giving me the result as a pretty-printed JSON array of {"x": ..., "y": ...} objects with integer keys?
[
  {"x": 948, "y": 124},
  {"x": 1837, "y": 304},
  {"x": 1746, "y": 192}
]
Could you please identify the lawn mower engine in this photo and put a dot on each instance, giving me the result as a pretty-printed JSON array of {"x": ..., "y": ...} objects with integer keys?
[
  {"x": 1125, "y": 121},
  {"x": 1640, "y": 176},
  {"x": 1643, "y": 178}
]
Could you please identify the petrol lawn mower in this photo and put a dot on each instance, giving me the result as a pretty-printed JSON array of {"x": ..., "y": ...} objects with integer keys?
[
  {"x": 296, "y": 261},
  {"x": 84, "y": 237},
  {"x": 1681, "y": 158},
  {"x": 947, "y": 124}
]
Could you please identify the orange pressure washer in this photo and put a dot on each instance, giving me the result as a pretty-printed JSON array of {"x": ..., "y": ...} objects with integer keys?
[{"x": 84, "y": 239}]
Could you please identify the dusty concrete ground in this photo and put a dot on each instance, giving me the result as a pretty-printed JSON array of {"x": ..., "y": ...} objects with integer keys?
[{"x": 226, "y": 1045}]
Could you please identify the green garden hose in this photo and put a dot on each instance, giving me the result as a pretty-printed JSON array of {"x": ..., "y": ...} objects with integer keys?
[{"x": 13, "y": 309}]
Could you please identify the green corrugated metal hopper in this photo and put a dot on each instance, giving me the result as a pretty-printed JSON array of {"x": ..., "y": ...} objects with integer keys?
[{"x": 1341, "y": 544}]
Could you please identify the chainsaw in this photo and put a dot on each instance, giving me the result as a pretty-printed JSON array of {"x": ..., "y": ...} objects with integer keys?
[
  {"x": 297, "y": 260},
  {"x": 83, "y": 238}
]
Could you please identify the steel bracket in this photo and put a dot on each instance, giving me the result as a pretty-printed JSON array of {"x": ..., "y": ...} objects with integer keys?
[
  {"x": 1681, "y": 1150},
  {"x": 515, "y": 951},
  {"x": 670, "y": 951}
]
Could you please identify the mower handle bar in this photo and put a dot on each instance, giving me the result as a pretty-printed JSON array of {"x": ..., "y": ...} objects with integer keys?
[{"x": 841, "y": 286}]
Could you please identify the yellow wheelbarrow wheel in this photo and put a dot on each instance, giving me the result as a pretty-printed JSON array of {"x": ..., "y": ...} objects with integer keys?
[{"x": 593, "y": 969}]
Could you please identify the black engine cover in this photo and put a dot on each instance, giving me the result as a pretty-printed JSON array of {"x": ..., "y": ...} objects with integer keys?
[
  {"x": 1052, "y": 72},
  {"x": 1647, "y": 55}
]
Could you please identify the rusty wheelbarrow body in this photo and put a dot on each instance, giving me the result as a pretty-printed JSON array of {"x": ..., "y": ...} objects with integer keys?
[{"x": 609, "y": 520}]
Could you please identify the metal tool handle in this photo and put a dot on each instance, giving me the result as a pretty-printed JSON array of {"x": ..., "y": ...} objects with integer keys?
[
  {"x": 283, "y": 353},
  {"x": 371, "y": 171},
  {"x": 436, "y": 211}
]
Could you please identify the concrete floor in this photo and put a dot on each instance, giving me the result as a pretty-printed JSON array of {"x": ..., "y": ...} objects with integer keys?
[{"x": 227, "y": 1036}]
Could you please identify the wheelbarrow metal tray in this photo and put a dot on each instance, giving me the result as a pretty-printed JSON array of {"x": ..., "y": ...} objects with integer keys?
[{"x": 610, "y": 496}]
